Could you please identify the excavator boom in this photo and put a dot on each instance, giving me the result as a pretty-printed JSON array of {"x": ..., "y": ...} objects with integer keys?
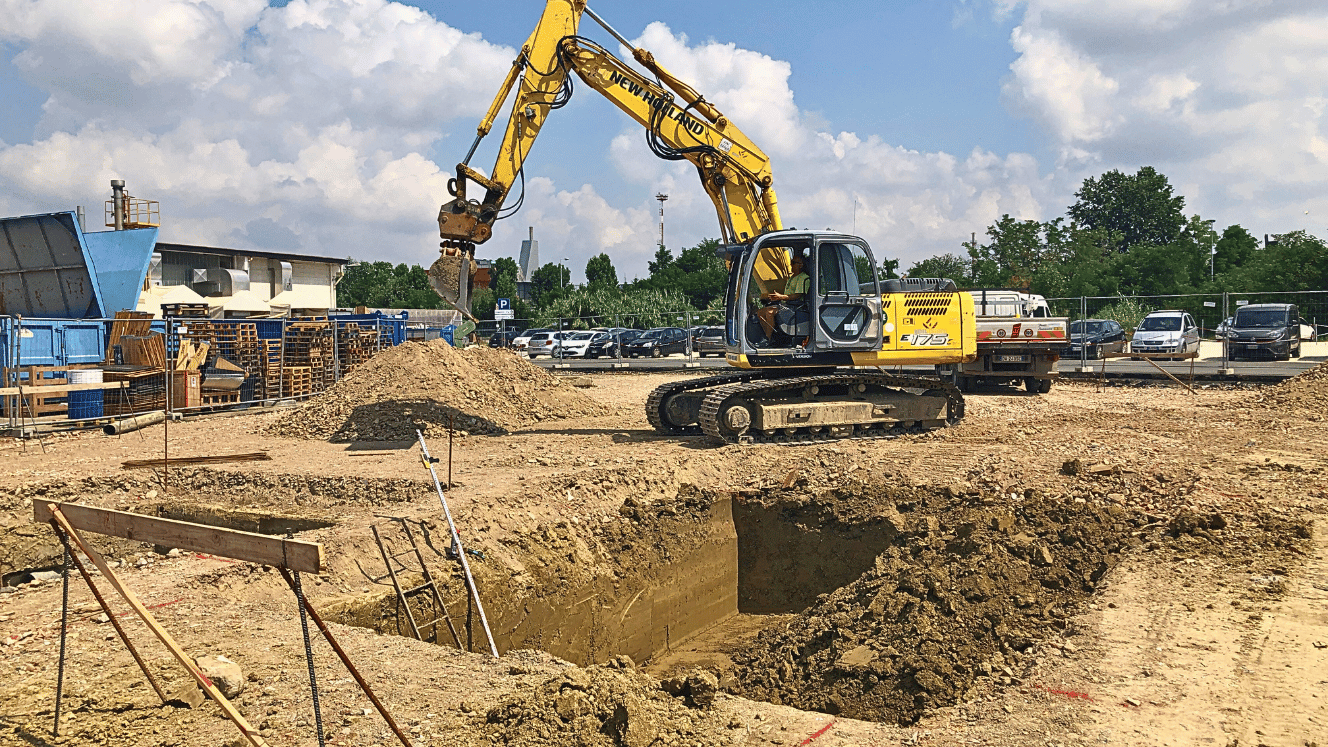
[{"x": 680, "y": 125}]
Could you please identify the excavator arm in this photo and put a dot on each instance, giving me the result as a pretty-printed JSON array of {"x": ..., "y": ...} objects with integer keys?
[{"x": 680, "y": 125}]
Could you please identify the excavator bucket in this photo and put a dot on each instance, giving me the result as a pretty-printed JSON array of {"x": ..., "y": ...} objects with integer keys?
[{"x": 450, "y": 276}]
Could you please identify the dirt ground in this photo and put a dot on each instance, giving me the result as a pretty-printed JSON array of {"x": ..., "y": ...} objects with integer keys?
[{"x": 1170, "y": 582}]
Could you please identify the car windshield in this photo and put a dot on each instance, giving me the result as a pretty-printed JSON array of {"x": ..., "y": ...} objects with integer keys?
[
  {"x": 653, "y": 334},
  {"x": 713, "y": 332},
  {"x": 1260, "y": 318},
  {"x": 1160, "y": 324},
  {"x": 1092, "y": 328},
  {"x": 581, "y": 336}
]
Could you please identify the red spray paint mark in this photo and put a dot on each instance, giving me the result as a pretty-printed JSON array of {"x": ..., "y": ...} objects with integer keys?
[
  {"x": 1067, "y": 693},
  {"x": 817, "y": 735}
]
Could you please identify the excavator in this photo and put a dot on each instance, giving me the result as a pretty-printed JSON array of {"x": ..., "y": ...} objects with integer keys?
[{"x": 810, "y": 365}]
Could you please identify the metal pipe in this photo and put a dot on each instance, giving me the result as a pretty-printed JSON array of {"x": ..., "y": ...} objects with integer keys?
[
  {"x": 117, "y": 202},
  {"x": 456, "y": 542},
  {"x": 604, "y": 25},
  {"x": 129, "y": 425}
]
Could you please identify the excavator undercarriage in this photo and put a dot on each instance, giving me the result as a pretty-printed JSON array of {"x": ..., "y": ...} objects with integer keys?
[{"x": 807, "y": 405}]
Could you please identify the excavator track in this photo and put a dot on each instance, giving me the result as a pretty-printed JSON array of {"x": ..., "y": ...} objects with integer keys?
[
  {"x": 716, "y": 423},
  {"x": 658, "y": 399}
]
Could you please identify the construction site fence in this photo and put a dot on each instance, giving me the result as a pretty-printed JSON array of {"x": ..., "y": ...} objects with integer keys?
[
  {"x": 688, "y": 319},
  {"x": 1209, "y": 310},
  {"x": 278, "y": 359}
]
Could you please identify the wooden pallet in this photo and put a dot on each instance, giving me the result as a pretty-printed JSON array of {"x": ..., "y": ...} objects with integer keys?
[
  {"x": 136, "y": 323},
  {"x": 186, "y": 310},
  {"x": 296, "y": 381},
  {"x": 221, "y": 398}
]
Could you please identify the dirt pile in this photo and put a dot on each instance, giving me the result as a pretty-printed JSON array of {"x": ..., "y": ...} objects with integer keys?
[
  {"x": 611, "y": 706},
  {"x": 1306, "y": 393},
  {"x": 966, "y": 583},
  {"x": 427, "y": 385}
]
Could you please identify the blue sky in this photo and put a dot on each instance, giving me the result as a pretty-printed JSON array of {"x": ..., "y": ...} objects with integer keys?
[{"x": 339, "y": 121}]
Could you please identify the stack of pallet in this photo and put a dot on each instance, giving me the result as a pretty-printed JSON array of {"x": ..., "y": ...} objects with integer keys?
[
  {"x": 132, "y": 323},
  {"x": 268, "y": 384},
  {"x": 148, "y": 350},
  {"x": 296, "y": 381},
  {"x": 185, "y": 310},
  {"x": 147, "y": 389},
  {"x": 355, "y": 345},
  {"x": 309, "y": 345}
]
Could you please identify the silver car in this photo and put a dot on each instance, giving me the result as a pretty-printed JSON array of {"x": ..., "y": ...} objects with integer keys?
[{"x": 1166, "y": 332}]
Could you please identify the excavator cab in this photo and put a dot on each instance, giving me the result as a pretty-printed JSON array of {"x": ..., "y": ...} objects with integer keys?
[{"x": 814, "y": 317}]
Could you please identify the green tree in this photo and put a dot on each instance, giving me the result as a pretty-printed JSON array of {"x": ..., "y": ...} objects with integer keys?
[
  {"x": 942, "y": 266},
  {"x": 1297, "y": 261},
  {"x": 549, "y": 282},
  {"x": 600, "y": 272},
  {"x": 1234, "y": 249},
  {"x": 662, "y": 261},
  {"x": 384, "y": 285},
  {"x": 1138, "y": 209},
  {"x": 889, "y": 268},
  {"x": 698, "y": 273}
]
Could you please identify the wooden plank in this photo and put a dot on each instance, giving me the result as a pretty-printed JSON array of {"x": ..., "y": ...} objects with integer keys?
[
  {"x": 256, "y": 456},
  {"x": 250, "y": 733},
  {"x": 296, "y": 555},
  {"x": 45, "y": 391}
]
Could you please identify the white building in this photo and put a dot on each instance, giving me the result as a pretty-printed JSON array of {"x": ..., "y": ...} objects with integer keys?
[{"x": 238, "y": 283}]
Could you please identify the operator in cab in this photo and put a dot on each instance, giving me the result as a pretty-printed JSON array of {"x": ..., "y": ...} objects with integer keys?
[{"x": 786, "y": 303}]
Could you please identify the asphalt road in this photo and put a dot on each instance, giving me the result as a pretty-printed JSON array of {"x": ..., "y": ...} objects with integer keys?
[{"x": 1205, "y": 369}]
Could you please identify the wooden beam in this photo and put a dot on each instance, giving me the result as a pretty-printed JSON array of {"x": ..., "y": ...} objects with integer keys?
[
  {"x": 250, "y": 733},
  {"x": 44, "y": 390},
  {"x": 296, "y": 555}
]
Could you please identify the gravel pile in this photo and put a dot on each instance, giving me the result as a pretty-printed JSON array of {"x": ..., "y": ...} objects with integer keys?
[
  {"x": 428, "y": 385},
  {"x": 610, "y": 706},
  {"x": 1307, "y": 392}
]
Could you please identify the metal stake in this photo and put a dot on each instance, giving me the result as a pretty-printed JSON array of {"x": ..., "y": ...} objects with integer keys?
[{"x": 456, "y": 543}]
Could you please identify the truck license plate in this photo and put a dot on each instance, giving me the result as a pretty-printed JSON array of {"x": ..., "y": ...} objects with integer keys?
[
  {"x": 1252, "y": 347},
  {"x": 1011, "y": 359}
]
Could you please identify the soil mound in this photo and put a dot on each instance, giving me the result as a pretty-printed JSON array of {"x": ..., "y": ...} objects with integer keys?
[
  {"x": 426, "y": 385},
  {"x": 611, "y": 706},
  {"x": 1307, "y": 392},
  {"x": 961, "y": 588}
]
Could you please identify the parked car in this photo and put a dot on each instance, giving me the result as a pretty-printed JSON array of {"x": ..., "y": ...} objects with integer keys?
[
  {"x": 1270, "y": 330},
  {"x": 574, "y": 344},
  {"x": 611, "y": 344},
  {"x": 543, "y": 343},
  {"x": 710, "y": 341},
  {"x": 522, "y": 340},
  {"x": 501, "y": 339},
  {"x": 1096, "y": 336},
  {"x": 657, "y": 343},
  {"x": 1223, "y": 329},
  {"x": 1166, "y": 332}
]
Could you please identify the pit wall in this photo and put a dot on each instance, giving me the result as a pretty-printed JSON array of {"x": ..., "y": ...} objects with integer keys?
[
  {"x": 680, "y": 588},
  {"x": 647, "y": 609}
]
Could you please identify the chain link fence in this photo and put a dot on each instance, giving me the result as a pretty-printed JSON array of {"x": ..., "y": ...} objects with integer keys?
[{"x": 691, "y": 322}]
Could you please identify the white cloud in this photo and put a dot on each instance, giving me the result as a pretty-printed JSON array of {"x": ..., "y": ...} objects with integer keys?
[
  {"x": 333, "y": 125},
  {"x": 1225, "y": 98}
]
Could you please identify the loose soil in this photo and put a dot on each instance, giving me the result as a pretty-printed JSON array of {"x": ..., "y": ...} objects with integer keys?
[
  {"x": 1133, "y": 566},
  {"x": 432, "y": 386}
]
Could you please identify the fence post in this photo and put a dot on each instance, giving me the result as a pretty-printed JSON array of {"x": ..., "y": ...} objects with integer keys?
[
  {"x": 1226, "y": 344},
  {"x": 1083, "y": 333},
  {"x": 691, "y": 353}
]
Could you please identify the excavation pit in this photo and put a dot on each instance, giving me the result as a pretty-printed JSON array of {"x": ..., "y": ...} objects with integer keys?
[{"x": 874, "y": 602}]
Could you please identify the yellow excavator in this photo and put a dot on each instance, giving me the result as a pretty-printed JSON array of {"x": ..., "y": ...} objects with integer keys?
[{"x": 810, "y": 325}]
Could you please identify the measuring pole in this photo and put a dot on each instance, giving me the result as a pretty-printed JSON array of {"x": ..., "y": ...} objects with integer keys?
[{"x": 456, "y": 542}]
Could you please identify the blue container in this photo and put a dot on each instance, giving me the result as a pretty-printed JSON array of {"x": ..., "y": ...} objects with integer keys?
[{"x": 88, "y": 404}]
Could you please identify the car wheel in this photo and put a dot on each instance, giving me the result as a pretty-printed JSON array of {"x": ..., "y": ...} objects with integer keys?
[
  {"x": 656, "y": 353},
  {"x": 1297, "y": 353}
]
